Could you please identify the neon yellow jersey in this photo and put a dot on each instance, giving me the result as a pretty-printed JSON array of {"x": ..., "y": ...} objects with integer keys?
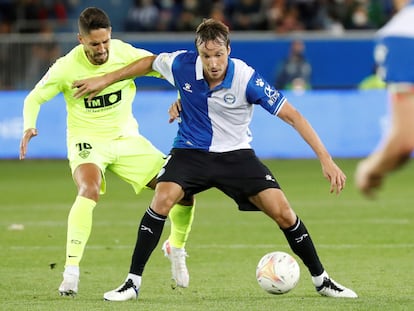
[{"x": 109, "y": 114}]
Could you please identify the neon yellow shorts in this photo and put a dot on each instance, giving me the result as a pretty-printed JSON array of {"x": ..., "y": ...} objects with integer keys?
[{"x": 134, "y": 159}]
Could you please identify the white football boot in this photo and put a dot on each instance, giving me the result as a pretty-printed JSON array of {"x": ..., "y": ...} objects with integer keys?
[
  {"x": 177, "y": 256},
  {"x": 330, "y": 288},
  {"x": 126, "y": 291},
  {"x": 69, "y": 285}
]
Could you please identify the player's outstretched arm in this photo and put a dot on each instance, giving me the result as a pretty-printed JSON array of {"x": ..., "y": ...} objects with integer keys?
[
  {"x": 92, "y": 86},
  {"x": 330, "y": 170},
  {"x": 27, "y": 135}
]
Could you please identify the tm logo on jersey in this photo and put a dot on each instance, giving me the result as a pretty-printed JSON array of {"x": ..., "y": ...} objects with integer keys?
[{"x": 103, "y": 100}]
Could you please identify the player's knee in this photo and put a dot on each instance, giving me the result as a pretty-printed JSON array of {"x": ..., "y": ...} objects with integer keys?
[
  {"x": 163, "y": 203},
  {"x": 89, "y": 190},
  {"x": 187, "y": 201},
  {"x": 284, "y": 216}
]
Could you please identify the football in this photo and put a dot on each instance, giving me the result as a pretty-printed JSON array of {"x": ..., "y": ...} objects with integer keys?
[{"x": 277, "y": 273}]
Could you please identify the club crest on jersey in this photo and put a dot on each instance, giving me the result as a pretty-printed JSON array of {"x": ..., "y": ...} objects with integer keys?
[
  {"x": 229, "y": 98},
  {"x": 84, "y": 154}
]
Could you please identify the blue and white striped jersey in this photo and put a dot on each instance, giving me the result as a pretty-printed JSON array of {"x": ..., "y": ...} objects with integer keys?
[
  {"x": 395, "y": 47},
  {"x": 216, "y": 120}
]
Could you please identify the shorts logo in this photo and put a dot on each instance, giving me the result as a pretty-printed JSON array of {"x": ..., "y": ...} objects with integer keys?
[
  {"x": 84, "y": 150},
  {"x": 84, "y": 154},
  {"x": 103, "y": 100}
]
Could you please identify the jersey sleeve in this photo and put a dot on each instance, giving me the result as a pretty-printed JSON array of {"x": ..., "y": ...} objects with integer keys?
[
  {"x": 132, "y": 53},
  {"x": 141, "y": 53},
  {"x": 260, "y": 92},
  {"x": 31, "y": 110},
  {"x": 47, "y": 88},
  {"x": 163, "y": 64}
]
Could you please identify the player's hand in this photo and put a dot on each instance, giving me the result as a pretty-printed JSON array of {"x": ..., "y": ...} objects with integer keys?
[
  {"x": 27, "y": 135},
  {"x": 367, "y": 180},
  {"x": 90, "y": 87},
  {"x": 174, "y": 111},
  {"x": 335, "y": 176}
]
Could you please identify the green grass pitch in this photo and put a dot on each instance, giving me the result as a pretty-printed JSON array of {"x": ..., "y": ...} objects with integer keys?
[{"x": 367, "y": 245}]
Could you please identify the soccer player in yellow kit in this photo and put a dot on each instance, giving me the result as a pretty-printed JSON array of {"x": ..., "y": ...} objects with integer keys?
[{"x": 102, "y": 134}]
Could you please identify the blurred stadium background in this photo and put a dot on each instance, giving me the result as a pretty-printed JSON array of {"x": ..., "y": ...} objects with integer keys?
[
  {"x": 338, "y": 37},
  {"x": 373, "y": 235}
]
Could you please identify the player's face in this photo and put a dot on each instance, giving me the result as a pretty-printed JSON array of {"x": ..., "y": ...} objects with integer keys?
[
  {"x": 96, "y": 45},
  {"x": 214, "y": 57}
]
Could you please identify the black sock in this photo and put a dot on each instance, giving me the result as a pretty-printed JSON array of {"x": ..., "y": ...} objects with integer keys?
[
  {"x": 301, "y": 244},
  {"x": 149, "y": 233}
]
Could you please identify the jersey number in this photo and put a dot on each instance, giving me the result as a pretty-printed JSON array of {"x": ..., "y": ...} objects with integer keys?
[{"x": 83, "y": 146}]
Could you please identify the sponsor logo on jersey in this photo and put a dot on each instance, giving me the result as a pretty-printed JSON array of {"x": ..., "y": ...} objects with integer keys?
[
  {"x": 269, "y": 90},
  {"x": 272, "y": 93},
  {"x": 105, "y": 100}
]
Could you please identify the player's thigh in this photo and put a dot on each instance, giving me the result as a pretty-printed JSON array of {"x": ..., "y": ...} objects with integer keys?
[
  {"x": 240, "y": 174},
  {"x": 137, "y": 162},
  {"x": 87, "y": 150},
  {"x": 273, "y": 202}
]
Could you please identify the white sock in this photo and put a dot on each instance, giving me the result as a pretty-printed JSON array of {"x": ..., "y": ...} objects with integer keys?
[
  {"x": 136, "y": 279},
  {"x": 73, "y": 270},
  {"x": 318, "y": 280}
]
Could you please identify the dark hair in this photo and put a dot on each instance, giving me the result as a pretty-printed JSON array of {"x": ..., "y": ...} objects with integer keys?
[
  {"x": 93, "y": 18},
  {"x": 212, "y": 30}
]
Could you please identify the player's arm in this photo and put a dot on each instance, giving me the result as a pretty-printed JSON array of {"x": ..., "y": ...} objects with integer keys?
[
  {"x": 329, "y": 168},
  {"x": 47, "y": 88},
  {"x": 92, "y": 86},
  {"x": 31, "y": 110}
]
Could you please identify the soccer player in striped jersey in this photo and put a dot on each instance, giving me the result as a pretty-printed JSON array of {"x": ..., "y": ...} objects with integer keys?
[
  {"x": 102, "y": 134},
  {"x": 212, "y": 147}
]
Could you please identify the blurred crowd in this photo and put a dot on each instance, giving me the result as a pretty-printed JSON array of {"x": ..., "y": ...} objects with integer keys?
[
  {"x": 32, "y": 16},
  {"x": 280, "y": 16},
  {"x": 23, "y": 62}
]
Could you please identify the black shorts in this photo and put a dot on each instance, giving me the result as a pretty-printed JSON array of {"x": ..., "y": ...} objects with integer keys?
[{"x": 239, "y": 174}]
